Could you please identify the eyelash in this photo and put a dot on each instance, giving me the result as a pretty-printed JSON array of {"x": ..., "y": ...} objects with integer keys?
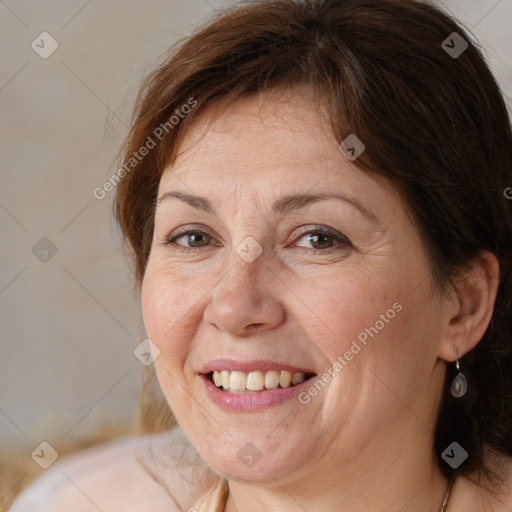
[{"x": 343, "y": 241}]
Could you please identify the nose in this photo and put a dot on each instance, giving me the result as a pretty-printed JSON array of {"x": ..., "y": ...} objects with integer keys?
[{"x": 245, "y": 300}]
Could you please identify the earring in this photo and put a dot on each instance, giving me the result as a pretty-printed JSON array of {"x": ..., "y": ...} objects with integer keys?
[{"x": 459, "y": 384}]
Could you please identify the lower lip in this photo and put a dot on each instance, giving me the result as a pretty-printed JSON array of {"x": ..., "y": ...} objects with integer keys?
[{"x": 252, "y": 401}]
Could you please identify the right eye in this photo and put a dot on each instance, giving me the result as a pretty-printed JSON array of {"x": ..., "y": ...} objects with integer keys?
[{"x": 191, "y": 237}]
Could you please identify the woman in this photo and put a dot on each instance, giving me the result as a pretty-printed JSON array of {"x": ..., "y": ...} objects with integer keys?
[{"x": 315, "y": 196}]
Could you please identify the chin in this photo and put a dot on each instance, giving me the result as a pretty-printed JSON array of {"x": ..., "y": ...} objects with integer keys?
[{"x": 251, "y": 457}]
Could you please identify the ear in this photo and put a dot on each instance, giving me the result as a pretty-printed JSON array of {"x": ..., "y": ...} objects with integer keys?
[{"x": 470, "y": 307}]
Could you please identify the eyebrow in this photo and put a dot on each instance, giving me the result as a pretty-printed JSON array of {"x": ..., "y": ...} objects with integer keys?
[{"x": 282, "y": 206}]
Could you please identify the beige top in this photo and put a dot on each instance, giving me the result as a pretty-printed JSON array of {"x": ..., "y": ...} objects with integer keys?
[{"x": 215, "y": 500}]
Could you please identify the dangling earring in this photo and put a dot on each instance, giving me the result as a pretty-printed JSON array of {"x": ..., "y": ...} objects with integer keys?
[{"x": 459, "y": 384}]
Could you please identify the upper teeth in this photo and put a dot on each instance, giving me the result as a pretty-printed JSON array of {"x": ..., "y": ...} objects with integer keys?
[{"x": 256, "y": 381}]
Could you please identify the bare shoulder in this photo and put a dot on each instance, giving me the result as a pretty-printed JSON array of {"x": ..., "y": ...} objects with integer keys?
[{"x": 158, "y": 472}]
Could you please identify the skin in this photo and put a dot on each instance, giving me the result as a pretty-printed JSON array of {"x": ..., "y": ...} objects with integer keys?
[{"x": 366, "y": 441}]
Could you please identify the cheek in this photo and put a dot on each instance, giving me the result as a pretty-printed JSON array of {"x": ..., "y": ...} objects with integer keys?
[
  {"x": 340, "y": 309},
  {"x": 366, "y": 322},
  {"x": 167, "y": 309}
]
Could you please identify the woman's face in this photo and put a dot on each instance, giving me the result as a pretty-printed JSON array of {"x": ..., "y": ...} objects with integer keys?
[{"x": 336, "y": 288}]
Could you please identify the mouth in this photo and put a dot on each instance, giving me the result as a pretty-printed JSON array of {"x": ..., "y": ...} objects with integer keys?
[
  {"x": 238, "y": 386},
  {"x": 256, "y": 381}
]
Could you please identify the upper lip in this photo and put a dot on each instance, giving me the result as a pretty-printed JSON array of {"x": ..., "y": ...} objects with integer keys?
[{"x": 248, "y": 366}]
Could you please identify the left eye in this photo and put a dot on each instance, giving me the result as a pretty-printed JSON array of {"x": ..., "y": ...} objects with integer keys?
[{"x": 323, "y": 238}]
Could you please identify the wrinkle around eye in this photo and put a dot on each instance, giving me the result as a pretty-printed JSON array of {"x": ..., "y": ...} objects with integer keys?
[{"x": 348, "y": 234}]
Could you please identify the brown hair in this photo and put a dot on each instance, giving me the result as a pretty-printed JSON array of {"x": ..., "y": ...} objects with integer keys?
[{"x": 435, "y": 125}]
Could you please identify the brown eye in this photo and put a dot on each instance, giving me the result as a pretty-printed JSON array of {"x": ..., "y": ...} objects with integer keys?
[
  {"x": 322, "y": 239},
  {"x": 194, "y": 239}
]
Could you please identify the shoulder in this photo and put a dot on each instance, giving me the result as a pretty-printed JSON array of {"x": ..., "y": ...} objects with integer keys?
[{"x": 158, "y": 472}]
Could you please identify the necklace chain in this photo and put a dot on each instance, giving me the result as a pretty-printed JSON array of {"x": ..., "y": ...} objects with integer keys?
[{"x": 447, "y": 496}]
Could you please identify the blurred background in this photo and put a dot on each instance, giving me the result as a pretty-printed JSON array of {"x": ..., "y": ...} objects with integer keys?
[{"x": 69, "y": 316}]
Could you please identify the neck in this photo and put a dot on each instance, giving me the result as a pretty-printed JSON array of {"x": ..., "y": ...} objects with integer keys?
[{"x": 401, "y": 479}]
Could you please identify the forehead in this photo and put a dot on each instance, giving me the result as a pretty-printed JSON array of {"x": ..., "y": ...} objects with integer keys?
[
  {"x": 280, "y": 142},
  {"x": 259, "y": 129}
]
